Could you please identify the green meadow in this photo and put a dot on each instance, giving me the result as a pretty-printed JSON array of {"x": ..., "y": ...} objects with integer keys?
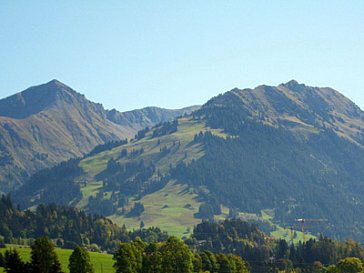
[{"x": 102, "y": 263}]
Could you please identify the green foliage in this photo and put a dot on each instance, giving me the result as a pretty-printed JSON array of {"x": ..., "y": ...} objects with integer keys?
[
  {"x": 247, "y": 241},
  {"x": 152, "y": 259},
  {"x": 13, "y": 264},
  {"x": 240, "y": 266},
  {"x": 205, "y": 211},
  {"x": 197, "y": 263},
  {"x": 125, "y": 260},
  {"x": 138, "y": 257},
  {"x": 172, "y": 256},
  {"x": 79, "y": 261},
  {"x": 69, "y": 226},
  {"x": 230, "y": 237},
  {"x": 106, "y": 147},
  {"x": 137, "y": 210},
  {"x": 165, "y": 128},
  {"x": 48, "y": 183},
  {"x": 350, "y": 265},
  {"x": 177, "y": 257},
  {"x": 98, "y": 260},
  {"x": 229, "y": 246},
  {"x": 43, "y": 257},
  {"x": 140, "y": 134}
]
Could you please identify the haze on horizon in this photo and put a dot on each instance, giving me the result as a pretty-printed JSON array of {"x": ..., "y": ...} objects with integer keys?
[{"x": 132, "y": 54}]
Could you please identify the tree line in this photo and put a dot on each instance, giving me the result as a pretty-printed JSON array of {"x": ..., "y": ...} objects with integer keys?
[
  {"x": 43, "y": 259},
  {"x": 173, "y": 256},
  {"x": 67, "y": 226},
  {"x": 265, "y": 254},
  {"x": 170, "y": 256}
]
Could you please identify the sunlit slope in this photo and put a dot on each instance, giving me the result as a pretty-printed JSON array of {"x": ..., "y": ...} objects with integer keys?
[
  {"x": 179, "y": 141},
  {"x": 171, "y": 208}
]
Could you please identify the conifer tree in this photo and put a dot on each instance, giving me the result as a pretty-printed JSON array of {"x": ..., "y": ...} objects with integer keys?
[
  {"x": 43, "y": 257},
  {"x": 79, "y": 261},
  {"x": 12, "y": 262}
]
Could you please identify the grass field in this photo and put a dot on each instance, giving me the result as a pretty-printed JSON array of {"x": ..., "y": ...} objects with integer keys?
[
  {"x": 171, "y": 209},
  {"x": 102, "y": 262}
]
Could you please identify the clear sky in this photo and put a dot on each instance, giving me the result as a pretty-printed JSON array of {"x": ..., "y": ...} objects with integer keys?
[{"x": 131, "y": 54}]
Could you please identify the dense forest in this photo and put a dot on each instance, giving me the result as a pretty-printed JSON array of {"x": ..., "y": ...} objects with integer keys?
[
  {"x": 174, "y": 256},
  {"x": 260, "y": 166},
  {"x": 265, "y": 254},
  {"x": 67, "y": 227},
  {"x": 48, "y": 183}
]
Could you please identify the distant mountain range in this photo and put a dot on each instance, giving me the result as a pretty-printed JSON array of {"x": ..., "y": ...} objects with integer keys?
[
  {"x": 50, "y": 123},
  {"x": 273, "y": 153}
]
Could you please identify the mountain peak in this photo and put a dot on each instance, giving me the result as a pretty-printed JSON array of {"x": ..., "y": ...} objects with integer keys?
[
  {"x": 56, "y": 83},
  {"x": 35, "y": 99},
  {"x": 292, "y": 82},
  {"x": 293, "y": 85}
]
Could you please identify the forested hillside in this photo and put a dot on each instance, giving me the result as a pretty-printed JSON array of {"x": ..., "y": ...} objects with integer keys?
[
  {"x": 68, "y": 227},
  {"x": 292, "y": 149}
]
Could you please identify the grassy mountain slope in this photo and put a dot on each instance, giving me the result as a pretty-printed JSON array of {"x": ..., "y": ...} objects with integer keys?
[
  {"x": 171, "y": 206},
  {"x": 293, "y": 149},
  {"x": 51, "y": 123}
]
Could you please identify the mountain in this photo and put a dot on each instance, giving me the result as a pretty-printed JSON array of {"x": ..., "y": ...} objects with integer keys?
[
  {"x": 270, "y": 154},
  {"x": 50, "y": 123},
  {"x": 147, "y": 117}
]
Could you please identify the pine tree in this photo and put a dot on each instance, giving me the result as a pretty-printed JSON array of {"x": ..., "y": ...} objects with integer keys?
[
  {"x": 12, "y": 262},
  {"x": 1, "y": 260},
  {"x": 43, "y": 257},
  {"x": 79, "y": 261}
]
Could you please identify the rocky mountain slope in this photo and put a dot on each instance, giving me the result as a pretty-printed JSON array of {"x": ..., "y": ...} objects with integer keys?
[{"x": 50, "y": 123}]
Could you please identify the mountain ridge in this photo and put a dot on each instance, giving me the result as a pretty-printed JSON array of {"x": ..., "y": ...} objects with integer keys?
[
  {"x": 49, "y": 123},
  {"x": 297, "y": 153},
  {"x": 297, "y": 104}
]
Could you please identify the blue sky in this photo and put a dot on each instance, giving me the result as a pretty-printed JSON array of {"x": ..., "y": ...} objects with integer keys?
[{"x": 131, "y": 54}]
